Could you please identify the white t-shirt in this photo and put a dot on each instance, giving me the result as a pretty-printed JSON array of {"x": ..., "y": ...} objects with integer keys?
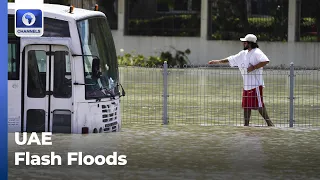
[{"x": 242, "y": 60}]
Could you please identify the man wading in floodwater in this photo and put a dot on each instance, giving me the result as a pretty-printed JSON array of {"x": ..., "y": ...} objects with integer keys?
[{"x": 250, "y": 62}]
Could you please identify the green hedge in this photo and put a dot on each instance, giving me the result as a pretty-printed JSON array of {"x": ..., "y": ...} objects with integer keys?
[{"x": 177, "y": 59}]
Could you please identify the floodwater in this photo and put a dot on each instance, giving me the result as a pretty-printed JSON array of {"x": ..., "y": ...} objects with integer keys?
[{"x": 182, "y": 152}]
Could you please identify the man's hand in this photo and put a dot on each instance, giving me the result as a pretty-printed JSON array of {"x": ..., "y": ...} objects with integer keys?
[
  {"x": 214, "y": 62},
  {"x": 250, "y": 68},
  {"x": 257, "y": 66}
]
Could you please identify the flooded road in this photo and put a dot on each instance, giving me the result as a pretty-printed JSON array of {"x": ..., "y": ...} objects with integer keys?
[{"x": 182, "y": 152}]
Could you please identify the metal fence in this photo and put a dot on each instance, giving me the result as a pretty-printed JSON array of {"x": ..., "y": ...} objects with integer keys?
[{"x": 206, "y": 95}]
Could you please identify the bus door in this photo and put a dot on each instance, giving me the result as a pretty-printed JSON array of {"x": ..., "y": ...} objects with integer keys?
[{"x": 47, "y": 89}]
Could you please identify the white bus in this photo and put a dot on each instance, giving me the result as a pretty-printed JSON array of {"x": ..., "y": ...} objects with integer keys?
[{"x": 66, "y": 81}]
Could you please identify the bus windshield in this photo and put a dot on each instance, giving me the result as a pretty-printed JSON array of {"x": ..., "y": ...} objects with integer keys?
[{"x": 97, "y": 40}]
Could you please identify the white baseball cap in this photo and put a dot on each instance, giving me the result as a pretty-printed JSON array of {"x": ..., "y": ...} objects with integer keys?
[{"x": 249, "y": 38}]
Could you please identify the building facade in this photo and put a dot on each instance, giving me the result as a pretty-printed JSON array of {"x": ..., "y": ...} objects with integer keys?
[{"x": 287, "y": 30}]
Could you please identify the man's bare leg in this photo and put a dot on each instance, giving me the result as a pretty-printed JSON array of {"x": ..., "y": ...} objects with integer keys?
[
  {"x": 247, "y": 114},
  {"x": 264, "y": 114}
]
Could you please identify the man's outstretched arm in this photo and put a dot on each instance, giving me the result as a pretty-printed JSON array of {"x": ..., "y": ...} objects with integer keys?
[
  {"x": 231, "y": 60},
  {"x": 221, "y": 61}
]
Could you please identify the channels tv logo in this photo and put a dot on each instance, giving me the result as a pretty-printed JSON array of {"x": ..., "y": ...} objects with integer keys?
[{"x": 29, "y": 23}]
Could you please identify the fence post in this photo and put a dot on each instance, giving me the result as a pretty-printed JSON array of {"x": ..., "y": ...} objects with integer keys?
[
  {"x": 165, "y": 93},
  {"x": 291, "y": 110}
]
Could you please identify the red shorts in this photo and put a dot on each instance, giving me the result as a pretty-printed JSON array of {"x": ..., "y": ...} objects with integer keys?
[{"x": 253, "y": 98}]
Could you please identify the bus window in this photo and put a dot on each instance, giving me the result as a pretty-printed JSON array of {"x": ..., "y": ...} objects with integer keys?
[
  {"x": 62, "y": 75},
  {"x": 11, "y": 26},
  {"x": 13, "y": 61},
  {"x": 55, "y": 28},
  {"x": 96, "y": 39},
  {"x": 37, "y": 69}
]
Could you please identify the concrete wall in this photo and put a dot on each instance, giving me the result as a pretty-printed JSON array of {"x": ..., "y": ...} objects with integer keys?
[{"x": 302, "y": 54}]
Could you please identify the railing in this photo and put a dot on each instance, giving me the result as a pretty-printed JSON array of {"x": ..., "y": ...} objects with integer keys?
[{"x": 212, "y": 95}]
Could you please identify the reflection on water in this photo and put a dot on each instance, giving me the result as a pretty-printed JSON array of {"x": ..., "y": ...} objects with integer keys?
[{"x": 183, "y": 152}]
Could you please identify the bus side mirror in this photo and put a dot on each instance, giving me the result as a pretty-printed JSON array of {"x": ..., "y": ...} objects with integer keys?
[{"x": 96, "y": 68}]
